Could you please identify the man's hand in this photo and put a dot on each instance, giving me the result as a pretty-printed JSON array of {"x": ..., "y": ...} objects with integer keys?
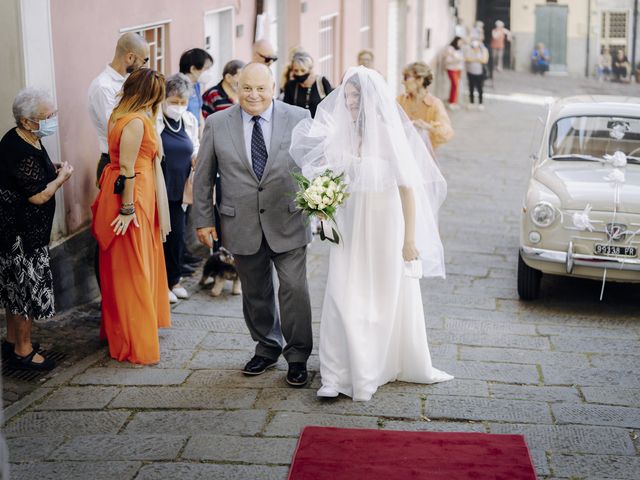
[{"x": 207, "y": 235}]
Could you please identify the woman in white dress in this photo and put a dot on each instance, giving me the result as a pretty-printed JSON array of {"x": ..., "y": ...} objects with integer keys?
[{"x": 372, "y": 329}]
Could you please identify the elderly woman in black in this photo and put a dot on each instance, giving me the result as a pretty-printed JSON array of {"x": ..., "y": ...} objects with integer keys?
[
  {"x": 307, "y": 89},
  {"x": 28, "y": 183}
]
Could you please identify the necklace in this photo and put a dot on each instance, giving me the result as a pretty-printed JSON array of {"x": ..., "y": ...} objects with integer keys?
[
  {"x": 307, "y": 97},
  {"x": 34, "y": 143},
  {"x": 166, "y": 122}
]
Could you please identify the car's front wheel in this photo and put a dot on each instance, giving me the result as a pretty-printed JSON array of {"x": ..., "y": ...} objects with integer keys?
[{"x": 528, "y": 281}]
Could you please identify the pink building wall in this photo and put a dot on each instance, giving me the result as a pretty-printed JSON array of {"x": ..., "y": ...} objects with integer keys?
[
  {"x": 85, "y": 33},
  {"x": 84, "y": 38}
]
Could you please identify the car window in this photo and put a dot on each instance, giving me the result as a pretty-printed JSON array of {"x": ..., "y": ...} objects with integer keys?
[{"x": 595, "y": 136}]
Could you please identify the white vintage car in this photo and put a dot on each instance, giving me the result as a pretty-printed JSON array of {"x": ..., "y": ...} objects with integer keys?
[{"x": 581, "y": 211}]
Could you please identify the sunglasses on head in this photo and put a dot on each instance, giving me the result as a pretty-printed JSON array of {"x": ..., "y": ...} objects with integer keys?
[{"x": 267, "y": 58}]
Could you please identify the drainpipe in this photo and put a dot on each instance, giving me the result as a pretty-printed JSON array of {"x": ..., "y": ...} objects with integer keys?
[
  {"x": 634, "y": 37},
  {"x": 586, "y": 67}
]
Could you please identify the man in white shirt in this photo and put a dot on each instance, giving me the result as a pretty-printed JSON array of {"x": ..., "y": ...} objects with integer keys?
[{"x": 132, "y": 53}]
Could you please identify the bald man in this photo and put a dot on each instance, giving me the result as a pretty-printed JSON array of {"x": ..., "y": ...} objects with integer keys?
[
  {"x": 263, "y": 52},
  {"x": 132, "y": 53},
  {"x": 248, "y": 146}
]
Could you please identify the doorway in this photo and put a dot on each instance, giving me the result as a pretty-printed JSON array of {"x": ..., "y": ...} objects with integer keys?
[
  {"x": 218, "y": 41},
  {"x": 551, "y": 29},
  {"x": 488, "y": 11}
]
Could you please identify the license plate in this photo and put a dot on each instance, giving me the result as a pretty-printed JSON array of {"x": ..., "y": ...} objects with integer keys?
[{"x": 615, "y": 250}]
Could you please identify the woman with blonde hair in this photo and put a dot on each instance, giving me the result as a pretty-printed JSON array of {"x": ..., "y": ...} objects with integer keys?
[
  {"x": 130, "y": 222},
  {"x": 426, "y": 112}
]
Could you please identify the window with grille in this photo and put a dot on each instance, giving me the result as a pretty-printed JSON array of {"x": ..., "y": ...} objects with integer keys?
[
  {"x": 156, "y": 37},
  {"x": 365, "y": 23},
  {"x": 614, "y": 26},
  {"x": 326, "y": 62}
]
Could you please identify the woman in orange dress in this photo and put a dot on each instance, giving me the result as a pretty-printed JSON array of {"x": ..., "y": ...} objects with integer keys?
[{"x": 129, "y": 222}]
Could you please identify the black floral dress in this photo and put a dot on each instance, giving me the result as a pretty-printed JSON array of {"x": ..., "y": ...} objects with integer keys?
[{"x": 26, "y": 282}]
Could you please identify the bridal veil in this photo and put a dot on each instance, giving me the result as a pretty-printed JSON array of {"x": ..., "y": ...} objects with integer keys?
[{"x": 361, "y": 131}]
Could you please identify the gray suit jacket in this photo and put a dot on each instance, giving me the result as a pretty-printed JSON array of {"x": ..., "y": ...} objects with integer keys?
[{"x": 250, "y": 208}]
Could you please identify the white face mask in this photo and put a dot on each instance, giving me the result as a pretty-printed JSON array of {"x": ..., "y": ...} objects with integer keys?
[
  {"x": 175, "y": 112},
  {"x": 207, "y": 77}
]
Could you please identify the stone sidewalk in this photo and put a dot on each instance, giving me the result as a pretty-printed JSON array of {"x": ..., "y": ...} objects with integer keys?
[{"x": 563, "y": 370}]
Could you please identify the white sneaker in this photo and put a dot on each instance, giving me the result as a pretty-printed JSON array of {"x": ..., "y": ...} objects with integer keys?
[
  {"x": 480, "y": 107},
  {"x": 327, "y": 392},
  {"x": 454, "y": 106},
  {"x": 172, "y": 297},
  {"x": 180, "y": 292}
]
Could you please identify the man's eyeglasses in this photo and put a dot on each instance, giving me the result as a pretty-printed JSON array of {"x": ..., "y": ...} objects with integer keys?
[
  {"x": 144, "y": 60},
  {"x": 268, "y": 60}
]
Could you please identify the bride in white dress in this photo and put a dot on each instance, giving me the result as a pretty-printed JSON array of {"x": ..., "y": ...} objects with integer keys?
[{"x": 372, "y": 329}]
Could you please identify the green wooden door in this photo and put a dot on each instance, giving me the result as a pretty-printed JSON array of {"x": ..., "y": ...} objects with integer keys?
[{"x": 551, "y": 29}]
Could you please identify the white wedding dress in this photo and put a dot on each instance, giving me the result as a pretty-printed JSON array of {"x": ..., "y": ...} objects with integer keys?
[{"x": 372, "y": 329}]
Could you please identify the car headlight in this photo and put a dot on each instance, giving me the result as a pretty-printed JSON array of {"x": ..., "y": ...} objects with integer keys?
[{"x": 543, "y": 214}]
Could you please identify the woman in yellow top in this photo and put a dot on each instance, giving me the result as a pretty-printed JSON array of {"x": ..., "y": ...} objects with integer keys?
[{"x": 425, "y": 111}]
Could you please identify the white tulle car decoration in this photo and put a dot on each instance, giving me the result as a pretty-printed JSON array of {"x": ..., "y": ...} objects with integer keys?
[{"x": 581, "y": 211}]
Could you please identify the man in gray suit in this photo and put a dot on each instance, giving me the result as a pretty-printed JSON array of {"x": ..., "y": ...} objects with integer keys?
[{"x": 248, "y": 145}]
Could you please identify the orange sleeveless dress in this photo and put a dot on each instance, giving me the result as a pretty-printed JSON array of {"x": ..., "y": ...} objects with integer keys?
[{"x": 133, "y": 277}]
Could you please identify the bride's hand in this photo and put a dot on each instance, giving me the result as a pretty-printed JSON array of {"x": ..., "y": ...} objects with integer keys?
[{"x": 409, "y": 251}]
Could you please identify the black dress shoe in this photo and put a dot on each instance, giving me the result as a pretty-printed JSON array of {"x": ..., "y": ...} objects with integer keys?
[
  {"x": 186, "y": 270},
  {"x": 297, "y": 375},
  {"x": 191, "y": 259},
  {"x": 258, "y": 365}
]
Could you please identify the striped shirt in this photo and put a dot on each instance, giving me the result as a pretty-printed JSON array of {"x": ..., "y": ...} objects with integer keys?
[{"x": 214, "y": 100}]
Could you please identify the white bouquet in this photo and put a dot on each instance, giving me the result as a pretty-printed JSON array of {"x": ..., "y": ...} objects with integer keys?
[{"x": 321, "y": 197}]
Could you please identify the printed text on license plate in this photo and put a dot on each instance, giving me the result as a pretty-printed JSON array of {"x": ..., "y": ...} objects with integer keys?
[{"x": 618, "y": 250}]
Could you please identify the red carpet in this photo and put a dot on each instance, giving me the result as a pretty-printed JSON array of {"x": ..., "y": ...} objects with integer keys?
[{"x": 353, "y": 454}]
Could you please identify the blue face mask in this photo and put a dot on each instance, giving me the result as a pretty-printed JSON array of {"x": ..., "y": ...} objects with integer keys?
[{"x": 48, "y": 126}]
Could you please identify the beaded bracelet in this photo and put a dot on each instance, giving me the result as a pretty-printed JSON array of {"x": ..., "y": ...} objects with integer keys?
[{"x": 127, "y": 211}]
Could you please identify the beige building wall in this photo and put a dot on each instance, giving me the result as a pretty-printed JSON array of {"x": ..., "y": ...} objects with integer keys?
[
  {"x": 11, "y": 65},
  {"x": 467, "y": 12},
  {"x": 598, "y": 9},
  {"x": 523, "y": 22}
]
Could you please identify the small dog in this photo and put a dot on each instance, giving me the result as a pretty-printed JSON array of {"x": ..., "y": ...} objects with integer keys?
[{"x": 221, "y": 266}]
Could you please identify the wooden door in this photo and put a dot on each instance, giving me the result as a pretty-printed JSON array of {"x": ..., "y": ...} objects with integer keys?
[{"x": 551, "y": 29}]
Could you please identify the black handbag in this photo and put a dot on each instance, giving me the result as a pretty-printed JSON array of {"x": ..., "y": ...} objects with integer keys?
[{"x": 118, "y": 186}]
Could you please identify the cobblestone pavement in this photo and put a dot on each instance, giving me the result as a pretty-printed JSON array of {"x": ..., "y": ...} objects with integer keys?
[{"x": 563, "y": 370}]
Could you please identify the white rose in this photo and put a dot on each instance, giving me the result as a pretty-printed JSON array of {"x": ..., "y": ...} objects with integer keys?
[{"x": 307, "y": 198}]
